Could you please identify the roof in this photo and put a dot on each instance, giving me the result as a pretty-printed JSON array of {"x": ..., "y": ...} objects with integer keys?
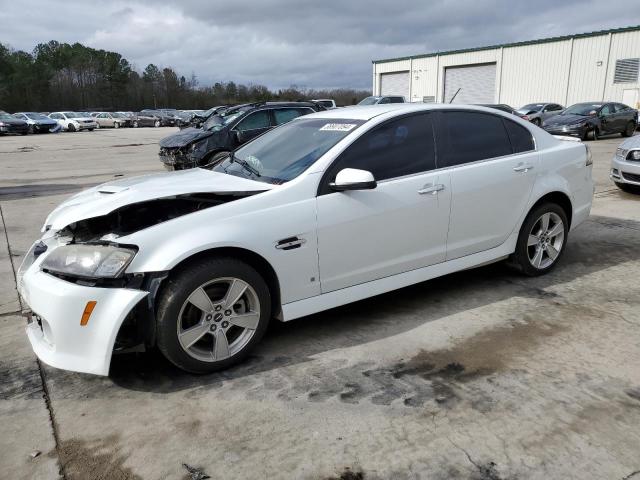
[
  {"x": 367, "y": 112},
  {"x": 515, "y": 44}
]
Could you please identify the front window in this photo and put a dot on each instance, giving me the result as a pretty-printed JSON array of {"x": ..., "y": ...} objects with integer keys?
[
  {"x": 37, "y": 116},
  {"x": 285, "y": 152},
  {"x": 584, "y": 109},
  {"x": 369, "y": 101}
]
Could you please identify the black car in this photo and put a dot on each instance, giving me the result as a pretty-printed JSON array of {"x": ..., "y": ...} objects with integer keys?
[
  {"x": 145, "y": 119},
  {"x": 225, "y": 131},
  {"x": 11, "y": 124},
  {"x": 592, "y": 119},
  {"x": 503, "y": 107},
  {"x": 166, "y": 119}
]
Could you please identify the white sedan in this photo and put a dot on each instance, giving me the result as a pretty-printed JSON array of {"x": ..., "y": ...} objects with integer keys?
[
  {"x": 328, "y": 209},
  {"x": 74, "y": 121}
]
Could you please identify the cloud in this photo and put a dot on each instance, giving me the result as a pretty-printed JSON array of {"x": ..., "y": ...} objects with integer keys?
[{"x": 288, "y": 42}]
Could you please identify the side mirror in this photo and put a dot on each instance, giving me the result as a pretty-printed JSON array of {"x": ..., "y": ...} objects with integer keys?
[
  {"x": 353, "y": 179},
  {"x": 239, "y": 136}
]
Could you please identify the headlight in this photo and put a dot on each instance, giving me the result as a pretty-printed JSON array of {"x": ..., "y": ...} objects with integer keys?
[
  {"x": 634, "y": 155},
  {"x": 94, "y": 261}
]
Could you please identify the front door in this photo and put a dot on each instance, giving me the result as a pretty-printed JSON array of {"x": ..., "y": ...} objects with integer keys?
[
  {"x": 399, "y": 226},
  {"x": 493, "y": 168},
  {"x": 254, "y": 124}
]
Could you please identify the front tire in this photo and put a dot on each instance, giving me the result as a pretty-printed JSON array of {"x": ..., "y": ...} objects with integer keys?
[
  {"x": 71, "y": 128},
  {"x": 211, "y": 314},
  {"x": 542, "y": 239},
  {"x": 537, "y": 122},
  {"x": 116, "y": 125},
  {"x": 156, "y": 123},
  {"x": 135, "y": 124}
]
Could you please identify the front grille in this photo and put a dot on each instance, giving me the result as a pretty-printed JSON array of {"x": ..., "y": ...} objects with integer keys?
[{"x": 632, "y": 177}]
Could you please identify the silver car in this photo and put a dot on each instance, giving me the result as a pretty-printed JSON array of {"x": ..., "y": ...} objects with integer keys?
[
  {"x": 625, "y": 166},
  {"x": 537, "y": 113}
]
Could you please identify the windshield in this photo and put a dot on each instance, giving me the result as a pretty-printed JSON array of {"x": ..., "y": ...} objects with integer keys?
[
  {"x": 326, "y": 103},
  {"x": 285, "y": 152},
  {"x": 583, "y": 109},
  {"x": 220, "y": 120},
  {"x": 37, "y": 116},
  {"x": 6, "y": 116},
  {"x": 72, "y": 115},
  {"x": 532, "y": 107},
  {"x": 369, "y": 101},
  {"x": 118, "y": 115}
]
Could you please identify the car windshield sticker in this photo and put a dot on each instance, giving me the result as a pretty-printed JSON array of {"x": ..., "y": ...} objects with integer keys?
[{"x": 338, "y": 127}]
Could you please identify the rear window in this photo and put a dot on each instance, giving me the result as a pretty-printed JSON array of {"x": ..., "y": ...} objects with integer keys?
[{"x": 471, "y": 136}]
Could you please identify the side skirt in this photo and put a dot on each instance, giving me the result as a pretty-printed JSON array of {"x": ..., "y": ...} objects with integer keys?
[{"x": 325, "y": 301}]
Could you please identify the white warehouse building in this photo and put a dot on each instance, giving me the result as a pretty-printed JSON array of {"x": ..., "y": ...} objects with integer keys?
[{"x": 597, "y": 66}]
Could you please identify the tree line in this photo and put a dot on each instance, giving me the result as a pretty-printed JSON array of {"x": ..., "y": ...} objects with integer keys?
[{"x": 61, "y": 76}]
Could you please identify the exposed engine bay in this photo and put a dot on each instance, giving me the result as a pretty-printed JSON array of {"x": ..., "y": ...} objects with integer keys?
[{"x": 138, "y": 216}]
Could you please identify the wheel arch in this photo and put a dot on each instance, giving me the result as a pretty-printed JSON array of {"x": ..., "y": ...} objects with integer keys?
[
  {"x": 559, "y": 198},
  {"x": 262, "y": 266}
]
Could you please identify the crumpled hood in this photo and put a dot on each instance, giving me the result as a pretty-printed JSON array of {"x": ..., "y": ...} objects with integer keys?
[
  {"x": 184, "y": 137},
  {"x": 105, "y": 198},
  {"x": 566, "y": 120}
]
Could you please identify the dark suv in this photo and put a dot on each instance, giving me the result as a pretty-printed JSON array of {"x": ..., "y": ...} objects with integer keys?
[{"x": 227, "y": 130}]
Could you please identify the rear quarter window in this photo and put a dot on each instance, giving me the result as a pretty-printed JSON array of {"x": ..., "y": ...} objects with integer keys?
[{"x": 521, "y": 138}]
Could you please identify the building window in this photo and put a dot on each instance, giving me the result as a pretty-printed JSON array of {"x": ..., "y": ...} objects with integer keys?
[{"x": 627, "y": 70}]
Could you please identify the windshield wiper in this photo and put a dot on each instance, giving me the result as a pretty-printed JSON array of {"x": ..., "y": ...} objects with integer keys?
[{"x": 244, "y": 164}]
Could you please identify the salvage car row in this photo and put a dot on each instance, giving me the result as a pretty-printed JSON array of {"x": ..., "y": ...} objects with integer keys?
[{"x": 70, "y": 121}]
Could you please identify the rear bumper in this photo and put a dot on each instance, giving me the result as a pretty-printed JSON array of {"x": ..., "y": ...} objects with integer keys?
[
  {"x": 55, "y": 309},
  {"x": 623, "y": 171}
]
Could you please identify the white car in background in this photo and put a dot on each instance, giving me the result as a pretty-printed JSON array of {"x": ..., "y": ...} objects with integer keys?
[
  {"x": 330, "y": 208},
  {"x": 73, "y": 121},
  {"x": 625, "y": 165}
]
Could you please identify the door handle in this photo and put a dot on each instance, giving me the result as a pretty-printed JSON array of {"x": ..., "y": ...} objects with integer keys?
[
  {"x": 523, "y": 168},
  {"x": 432, "y": 189}
]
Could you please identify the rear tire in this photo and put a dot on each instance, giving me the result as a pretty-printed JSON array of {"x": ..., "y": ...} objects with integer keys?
[
  {"x": 219, "y": 333},
  {"x": 541, "y": 241},
  {"x": 629, "y": 129},
  {"x": 135, "y": 124},
  {"x": 116, "y": 125},
  {"x": 625, "y": 187},
  {"x": 156, "y": 123}
]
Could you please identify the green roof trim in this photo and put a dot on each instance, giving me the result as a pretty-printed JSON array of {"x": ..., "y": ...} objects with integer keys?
[{"x": 514, "y": 44}]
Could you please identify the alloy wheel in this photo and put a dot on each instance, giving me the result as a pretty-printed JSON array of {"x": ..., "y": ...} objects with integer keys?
[
  {"x": 218, "y": 319},
  {"x": 546, "y": 240}
]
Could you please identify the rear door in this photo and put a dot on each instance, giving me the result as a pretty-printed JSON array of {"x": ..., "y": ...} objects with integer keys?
[{"x": 493, "y": 167}]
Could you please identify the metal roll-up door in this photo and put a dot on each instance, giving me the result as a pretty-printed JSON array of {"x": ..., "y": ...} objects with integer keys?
[
  {"x": 397, "y": 83},
  {"x": 477, "y": 84}
]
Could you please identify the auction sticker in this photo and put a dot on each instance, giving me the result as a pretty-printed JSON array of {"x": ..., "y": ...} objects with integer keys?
[{"x": 339, "y": 127}]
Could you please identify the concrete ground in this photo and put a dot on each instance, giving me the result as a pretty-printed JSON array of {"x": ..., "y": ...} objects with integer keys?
[{"x": 482, "y": 375}]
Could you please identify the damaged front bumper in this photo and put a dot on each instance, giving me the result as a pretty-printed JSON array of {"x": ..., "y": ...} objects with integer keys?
[
  {"x": 60, "y": 331},
  {"x": 177, "y": 159}
]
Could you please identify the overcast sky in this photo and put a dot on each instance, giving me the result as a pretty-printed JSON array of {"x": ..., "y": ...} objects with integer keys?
[{"x": 320, "y": 43}]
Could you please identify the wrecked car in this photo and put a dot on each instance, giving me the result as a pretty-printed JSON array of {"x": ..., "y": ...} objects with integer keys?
[
  {"x": 224, "y": 131},
  {"x": 327, "y": 209}
]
